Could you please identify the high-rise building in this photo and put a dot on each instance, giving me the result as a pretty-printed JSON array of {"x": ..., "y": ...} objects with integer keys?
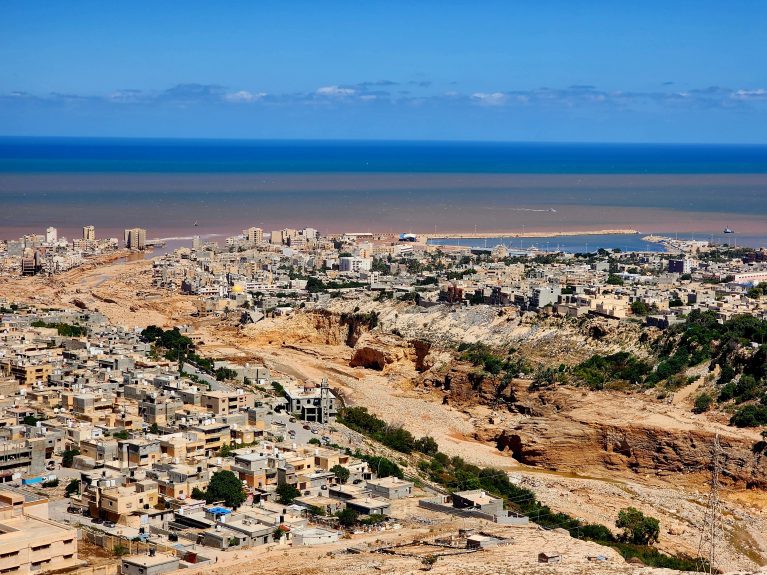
[
  {"x": 51, "y": 235},
  {"x": 254, "y": 235},
  {"x": 30, "y": 262},
  {"x": 135, "y": 238},
  {"x": 89, "y": 233},
  {"x": 282, "y": 237}
]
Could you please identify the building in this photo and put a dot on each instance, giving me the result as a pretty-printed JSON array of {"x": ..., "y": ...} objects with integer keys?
[
  {"x": 390, "y": 487},
  {"x": 20, "y": 457},
  {"x": 314, "y": 536},
  {"x": 148, "y": 564},
  {"x": 227, "y": 402},
  {"x": 51, "y": 235},
  {"x": 354, "y": 264},
  {"x": 679, "y": 266},
  {"x": 479, "y": 500},
  {"x": 312, "y": 402},
  {"x": 30, "y": 262},
  {"x": 750, "y": 277},
  {"x": 135, "y": 239},
  {"x": 29, "y": 541},
  {"x": 28, "y": 374},
  {"x": 89, "y": 233},
  {"x": 254, "y": 235}
]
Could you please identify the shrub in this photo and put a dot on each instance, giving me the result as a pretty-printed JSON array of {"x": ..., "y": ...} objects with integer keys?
[
  {"x": 752, "y": 415},
  {"x": 120, "y": 550},
  {"x": 348, "y": 517},
  {"x": 638, "y": 528},
  {"x": 426, "y": 445},
  {"x": 703, "y": 403}
]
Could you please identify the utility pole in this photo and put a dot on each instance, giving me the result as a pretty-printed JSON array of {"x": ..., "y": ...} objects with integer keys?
[{"x": 712, "y": 529}]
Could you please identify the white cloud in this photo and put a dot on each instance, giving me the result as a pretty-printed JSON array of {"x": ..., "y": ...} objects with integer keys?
[
  {"x": 335, "y": 91},
  {"x": 243, "y": 96},
  {"x": 758, "y": 94},
  {"x": 489, "y": 99}
]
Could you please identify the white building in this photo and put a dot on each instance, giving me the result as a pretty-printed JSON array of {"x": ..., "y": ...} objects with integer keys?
[{"x": 354, "y": 264}]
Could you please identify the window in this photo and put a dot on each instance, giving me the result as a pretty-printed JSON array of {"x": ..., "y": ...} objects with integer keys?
[{"x": 39, "y": 547}]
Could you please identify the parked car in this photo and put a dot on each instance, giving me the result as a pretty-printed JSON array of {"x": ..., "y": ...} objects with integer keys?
[
  {"x": 307, "y": 426},
  {"x": 97, "y": 520},
  {"x": 110, "y": 524}
]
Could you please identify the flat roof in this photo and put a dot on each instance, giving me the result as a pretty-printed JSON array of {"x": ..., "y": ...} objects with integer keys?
[
  {"x": 150, "y": 561},
  {"x": 390, "y": 481}
]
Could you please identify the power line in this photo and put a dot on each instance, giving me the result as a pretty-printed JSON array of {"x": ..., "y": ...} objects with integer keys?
[{"x": 712, "y": 529}]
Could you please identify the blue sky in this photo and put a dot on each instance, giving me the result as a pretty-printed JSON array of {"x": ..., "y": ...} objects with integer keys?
[{"x": 524, "y": 71}]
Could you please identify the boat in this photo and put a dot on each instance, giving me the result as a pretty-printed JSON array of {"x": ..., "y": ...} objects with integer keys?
[
  {"x": 195, "y": 224},
  {"x": 728, "y": 231}
]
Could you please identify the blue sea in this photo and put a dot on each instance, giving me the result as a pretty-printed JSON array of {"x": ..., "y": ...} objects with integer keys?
[
  {"x": 37, "y": 155},
  {"x": 167, "y": 186}
]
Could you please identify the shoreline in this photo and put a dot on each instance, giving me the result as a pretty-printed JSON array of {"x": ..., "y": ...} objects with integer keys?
[{"x": 507, "y": 234}]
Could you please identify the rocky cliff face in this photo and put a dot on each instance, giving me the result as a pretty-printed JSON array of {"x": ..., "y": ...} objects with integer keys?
[
  {"x": 562, "y": 428},
  {"x": 572, "y": 430}
]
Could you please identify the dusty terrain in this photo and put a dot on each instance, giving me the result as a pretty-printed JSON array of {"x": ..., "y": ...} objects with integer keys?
[{"x": 586, "y": 453}]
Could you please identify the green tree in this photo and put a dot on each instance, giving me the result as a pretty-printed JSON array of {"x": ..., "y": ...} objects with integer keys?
[
  {"x": 640, "y": 308},
  {"x": 72, "y": 487},
  {"x": 348, "y": 517},
  {"x": 225, "y": 486},
  {"x": 198, "y": 493},
  {"x": 286, "y": 493},
  {"x": 68, "y": 457},
  {"x": 341, "y": 473},
  {"x": 426, "y": 445},
  {"x": 638, "y": 528},
  {"x": 30, "y": 420}
]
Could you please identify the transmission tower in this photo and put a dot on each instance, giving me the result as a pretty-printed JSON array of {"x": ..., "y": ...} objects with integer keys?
[{"x": 712, "y": 529}]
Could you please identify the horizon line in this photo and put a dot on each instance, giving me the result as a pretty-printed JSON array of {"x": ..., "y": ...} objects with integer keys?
[{"x": 381, "y": 140}]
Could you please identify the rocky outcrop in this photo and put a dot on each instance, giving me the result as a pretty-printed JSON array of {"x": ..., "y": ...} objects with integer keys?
[
  {"x": 577, "y": 447},
  {"x": 380, "y": 351}
]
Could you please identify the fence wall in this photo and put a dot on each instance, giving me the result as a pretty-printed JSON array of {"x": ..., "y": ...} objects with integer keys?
[{"x": 502, "y": 519}]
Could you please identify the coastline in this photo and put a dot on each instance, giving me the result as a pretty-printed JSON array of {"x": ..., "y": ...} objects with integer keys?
[{"x": 534, "y": 234}]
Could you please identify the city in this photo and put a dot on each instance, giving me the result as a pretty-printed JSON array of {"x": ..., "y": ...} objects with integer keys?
[{"x": 169, "y": 447}]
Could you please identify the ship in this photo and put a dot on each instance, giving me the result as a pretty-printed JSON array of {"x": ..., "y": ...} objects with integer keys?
[{"x": 728, "y": 231}]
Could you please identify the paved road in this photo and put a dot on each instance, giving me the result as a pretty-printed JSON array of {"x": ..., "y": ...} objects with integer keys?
[
  {"x": 214, "y": 385},
  {"x": 302, "y": 435}
]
